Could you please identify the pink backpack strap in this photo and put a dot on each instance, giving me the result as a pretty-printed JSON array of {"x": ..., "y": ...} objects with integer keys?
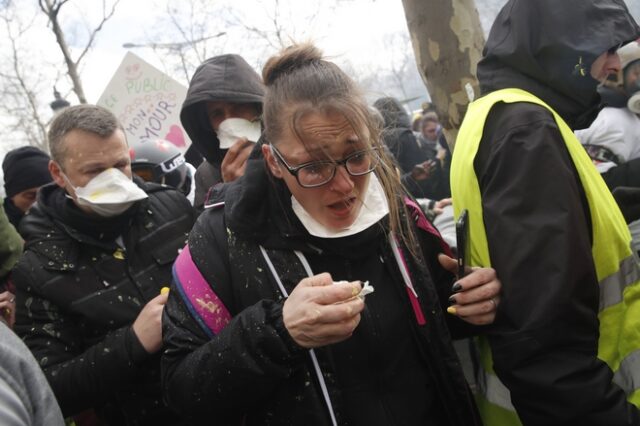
[
  {"x": 205, "y": 306},
  {"x": 423, "y": 223}
]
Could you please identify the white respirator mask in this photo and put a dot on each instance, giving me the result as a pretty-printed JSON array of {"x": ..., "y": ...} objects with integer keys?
[
  {"x": 108, "y": 194},
  {"x": 634, "y": 102}
]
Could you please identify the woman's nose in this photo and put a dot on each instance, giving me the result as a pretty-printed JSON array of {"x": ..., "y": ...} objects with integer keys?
[{"x": 342, "y": 181}]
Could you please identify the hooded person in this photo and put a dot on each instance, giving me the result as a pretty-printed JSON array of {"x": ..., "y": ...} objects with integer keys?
[
  {"x": 612, "y": 139},
  {"x": 397, "y": 134},
  {"x": 565, "y": 341},
  {"x": 422, "y": 174},
  {"x": 25, "y": 170},
  {"x": 221, "y": 115}
]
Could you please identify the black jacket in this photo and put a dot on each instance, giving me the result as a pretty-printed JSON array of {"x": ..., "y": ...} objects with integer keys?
[
  {"x": 221, "y": 78},
  {"x": 78, "y": 296},
  {"x": 536, "y": 215},
  {"x": 391, "y": 371}
]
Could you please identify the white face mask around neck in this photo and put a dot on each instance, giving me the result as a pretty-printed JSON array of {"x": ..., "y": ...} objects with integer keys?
[
  {"x": 374, "y": 208},
  {"x": 108, "y": 194}
]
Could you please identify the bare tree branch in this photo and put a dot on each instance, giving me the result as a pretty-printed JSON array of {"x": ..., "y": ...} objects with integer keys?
[
  {"x": 52, "y": 8},
  {"x": 92, "y": 35},
  {"x": 31, "y": 124}
]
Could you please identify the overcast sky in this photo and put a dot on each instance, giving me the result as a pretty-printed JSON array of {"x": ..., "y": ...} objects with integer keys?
[{"x": 355, "y": 30}]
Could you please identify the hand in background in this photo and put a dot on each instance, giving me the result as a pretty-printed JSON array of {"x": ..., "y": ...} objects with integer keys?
[
  {"x": 235, "y": 160},
  {"x": 148, "y": 325},
  {"x": 8, "y": 307}
]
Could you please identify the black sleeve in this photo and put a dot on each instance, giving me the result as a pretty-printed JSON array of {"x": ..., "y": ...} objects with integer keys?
[
  {"x": 626, "y": 174},
  {"x": 538, "y": 229},
  {"x": 207, "y": 175},
  {"x": 443, "y": 281},
  {"x": 628, "y": 199},
  {"x": 404, "y": 147},
  {"x": 80, "y": 377},
  {"x": 224, "y": 376}
]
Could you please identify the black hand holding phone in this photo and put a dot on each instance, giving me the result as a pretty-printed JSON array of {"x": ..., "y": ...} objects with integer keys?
[{"x": 463, "y": 242}]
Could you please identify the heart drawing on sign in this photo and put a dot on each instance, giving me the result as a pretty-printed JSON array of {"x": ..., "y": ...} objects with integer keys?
[{"x": 175, "y": 136}]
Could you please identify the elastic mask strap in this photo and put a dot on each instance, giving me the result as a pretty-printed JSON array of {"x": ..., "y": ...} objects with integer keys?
[
  {"x": 66, "y": 179},
  {"x": 314, "y": 359}
]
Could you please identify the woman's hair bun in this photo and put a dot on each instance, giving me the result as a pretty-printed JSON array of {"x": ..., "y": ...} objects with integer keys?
[{"x": 288, "y": 60}]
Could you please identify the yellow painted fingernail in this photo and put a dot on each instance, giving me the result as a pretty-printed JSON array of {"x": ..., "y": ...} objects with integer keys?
[
  {"x": 164, "y": 290},
  {"x": 451, "y": 310}
]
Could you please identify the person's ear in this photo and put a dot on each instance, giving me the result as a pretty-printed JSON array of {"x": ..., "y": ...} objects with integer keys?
[
  {"x": 272, "y": 162},
  {"x": 56, "y": 174}
]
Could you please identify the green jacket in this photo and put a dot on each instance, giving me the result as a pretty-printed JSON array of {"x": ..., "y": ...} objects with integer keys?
[{"x": 10, "y": 245}]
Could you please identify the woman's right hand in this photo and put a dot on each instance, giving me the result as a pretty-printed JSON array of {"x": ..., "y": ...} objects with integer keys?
[{"x": 319, "y": 313}]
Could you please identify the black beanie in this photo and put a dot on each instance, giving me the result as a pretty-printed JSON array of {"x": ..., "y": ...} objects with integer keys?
[{"x": 25, "y": 168}]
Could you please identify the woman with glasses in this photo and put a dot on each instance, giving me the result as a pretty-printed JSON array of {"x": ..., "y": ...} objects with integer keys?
[{"x": 313, "y": 293}]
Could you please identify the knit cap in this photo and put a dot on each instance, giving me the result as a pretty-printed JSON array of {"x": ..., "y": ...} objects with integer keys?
[{"x": 24, "y": 168}]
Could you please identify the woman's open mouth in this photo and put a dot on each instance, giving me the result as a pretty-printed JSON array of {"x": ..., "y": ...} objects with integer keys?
[{"x": 344, "y": 207}]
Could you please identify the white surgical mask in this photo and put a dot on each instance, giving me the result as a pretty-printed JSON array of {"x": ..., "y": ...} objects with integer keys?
[
  {"x": 108, "y": 194},
  {"x": 232, "y": 129},
  {"x": 374, "y": 208},
  {"x": 634, "y": 97},
  {"x": 634, "y": 103}
]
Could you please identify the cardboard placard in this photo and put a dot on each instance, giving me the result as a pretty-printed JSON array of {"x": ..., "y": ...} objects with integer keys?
[{"x": 147, "y": 102}]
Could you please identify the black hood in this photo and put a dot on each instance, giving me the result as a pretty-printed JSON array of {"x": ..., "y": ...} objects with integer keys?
[
  {"x": 547, "y": 47},
  {"x": 221, "y": 78}
]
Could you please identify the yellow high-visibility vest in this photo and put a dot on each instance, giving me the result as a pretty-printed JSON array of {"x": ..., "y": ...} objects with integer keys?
[{"x": 616, "y": 264}]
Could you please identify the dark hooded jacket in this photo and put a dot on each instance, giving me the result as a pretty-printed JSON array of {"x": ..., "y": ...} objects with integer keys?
[
  {"x": 392, "y": 371},
  {"x": 536, "y": 214},
  {"x": 397, "y": 134},
  {"x": 226, "y": 78},
  {"x": 78, "y": 294},
  {"x": 404, "y": 146}
]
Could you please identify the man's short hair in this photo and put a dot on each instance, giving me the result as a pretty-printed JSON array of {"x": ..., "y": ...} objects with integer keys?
[{"x": 89, "y": 118}]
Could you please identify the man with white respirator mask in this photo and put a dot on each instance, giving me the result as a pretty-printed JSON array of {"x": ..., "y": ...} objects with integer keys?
[
  {"x": 99, "y": 246},
  {"x": 221, "y": 114}
]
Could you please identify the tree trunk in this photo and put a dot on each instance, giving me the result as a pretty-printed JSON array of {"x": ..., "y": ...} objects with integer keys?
[{"x": 447, "y": 40}]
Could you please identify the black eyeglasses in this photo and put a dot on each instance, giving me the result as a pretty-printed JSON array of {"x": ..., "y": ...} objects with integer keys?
[{"x": 318, "y": 173}]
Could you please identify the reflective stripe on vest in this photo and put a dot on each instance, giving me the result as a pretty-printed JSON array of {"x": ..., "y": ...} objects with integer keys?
[
  {"x": 616, "y": 265},
  {"x": 613, "y": 286},
  {"x": 494, "y": 391},
  {"x": 628, "y": 375}
]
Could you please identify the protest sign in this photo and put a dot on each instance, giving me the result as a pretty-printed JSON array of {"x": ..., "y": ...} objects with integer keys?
[{"x": 146, "y": 101}]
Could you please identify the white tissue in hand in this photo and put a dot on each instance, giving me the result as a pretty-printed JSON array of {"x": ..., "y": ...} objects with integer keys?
[{"x": 366, "y": 288}]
